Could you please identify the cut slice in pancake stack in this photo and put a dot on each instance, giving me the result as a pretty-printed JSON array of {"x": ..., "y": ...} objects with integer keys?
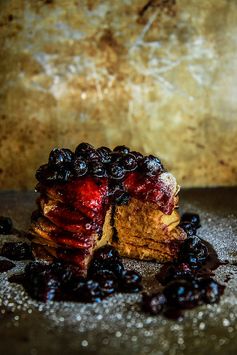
[{"x": 96, "y": 196}]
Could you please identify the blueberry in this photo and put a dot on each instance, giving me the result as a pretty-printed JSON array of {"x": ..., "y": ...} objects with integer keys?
[
  {"x": 130, "y": 281},
  {"x": 105, "y": 154},
  {"x": 151, "y": 165},
  {"x": 62, "y": 271},
  {"x": 138, "y": 156},
  {"x": 181, "y": 294},
  {"x": 192, "y": 218},
  {"x": 97, "y": 169},
  {"x": 107, "y": 253},
  {"x": 154, "y": 303},
  {"x": 115, "y": 157},
  {"x": 193, "y": 251},
  {"x": 80, "y": 167},
  {"x": 121, "y": 149},
  {"x": 211, "y": 290},
  {"x": 83, "y": 149},
  {"x": 58, "y": 158},
  {"x": 44, "y": 288},
  {"x": 189, "y": 228},
  {"x": 46, "y": 175},
  {"x": 170, "y": 272},
  {"x": 6, "y": 265},
  {"x": 17, "y": 251},
  {"x": 116, "y": 171},
  {"x": 89, "y": 292},
  {"x": 5, "y": 225},
  {"x": 129, "y": 162},
  {"x": 87, "y": 151},
  {"x": 107, "y": 281}
]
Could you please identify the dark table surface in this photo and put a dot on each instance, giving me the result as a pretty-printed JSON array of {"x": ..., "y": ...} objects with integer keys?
[{"x": 117, "y": 325}]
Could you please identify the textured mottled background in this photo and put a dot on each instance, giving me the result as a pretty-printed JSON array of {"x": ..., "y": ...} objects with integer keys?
[{"x": 160, "y": 76}]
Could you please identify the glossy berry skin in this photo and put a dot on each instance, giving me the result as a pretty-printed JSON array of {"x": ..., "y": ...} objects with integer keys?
[
  {"x": 44, "y": 288},
  {"x": 189, "y": 228},
  {"x": 80, "y": 167},
  {"x": 105, "y": 154},
  {"x": 17, "y": 251},
  {"x": 107, "y": 281},
  {"x": 129, "y": 162},
  {"x": 121, "y": 149},
  {"x": 89, "y": 292},
  {"x": 97, "y": 169},
  {"x": 107, "y": 253},
  {"x": 5, "y": 225},
  {"x": 46, "y": 175},
  {"x": 181, "y": 294},
  {"x": 211, "y": 290},
  {"x": 151, "y": 165},
  {"x": 174, "y": 271},
  {"x": 59, "y": 158},
  {"x": 192, "y": 218},
  {"x": 154, "y": 303},
  {"x": 138, "y": 156},
  {"x": 130, "y": 281},
  {"x": 87, "y": 151},
  {"x": 116, "y": 171},
  {"x": 193, "y": 251}
]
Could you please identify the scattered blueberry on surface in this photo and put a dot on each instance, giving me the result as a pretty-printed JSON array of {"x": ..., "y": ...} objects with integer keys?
[
  {"x": 153, "y": 303},
  {"x": 192, "y": 218},
  {"x": 181, "y": 294},
  {"x": 130, "y": 281},
  {"x": 211, "y": 290},
  {"x": 17, "y": 251},
  {"x": 6, "y": 265},
  {"x": 5, "y": 225},
  {"x": 193, "y": 252}
]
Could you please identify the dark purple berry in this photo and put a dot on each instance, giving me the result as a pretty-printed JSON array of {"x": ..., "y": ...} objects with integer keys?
[
  {"x": 189, "y": 228},
  {"x": 5, "y": 225},
  {"x": 46, "y": 175},
  {"x": 151, "y": 165},
  {"x": 97, "y": 169},
  {"x": 6, "y": 265},
  {"x": 130, "y": 281},
  {"x": 105, "y": 154},
  {"x": 59, "y": 158},
  {"x": 192, "y": 218},
  {"x": 115, "y": 157},
  {"x": 107, "y": 281},
  {"x": 83, "y": 148},
  {"x": 89, "y": 292},
  {"x": 116, "y": 171},
  {"x": 129, "y": 162},
  {"x": 171, "y": 272},
  {"x": 211, "y": 290},
  {"x": 80, "y": 167},
  {"x": 45, "y": 289},
  {"x": 181, "y": 294},
  {"x": 87, "y": 151},
  {"x": 17, "y": 251},
  {"x": 138, "y": 156},
  {"x": 107, "y": 253},
  {"x": 193, "y": 251},
  {"x": 121, "y": 149},
  {"x": 153, "y": 303}
]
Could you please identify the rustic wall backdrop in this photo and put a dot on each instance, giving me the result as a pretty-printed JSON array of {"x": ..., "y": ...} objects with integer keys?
[{"x": 158, "y": 75}]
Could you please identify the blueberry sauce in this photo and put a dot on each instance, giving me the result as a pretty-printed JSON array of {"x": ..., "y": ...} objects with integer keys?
[{"x": 61, "y": 281}]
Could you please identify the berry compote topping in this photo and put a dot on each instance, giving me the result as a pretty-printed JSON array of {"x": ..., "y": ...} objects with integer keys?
[
  {"x": 5, "y": 225},
  {"x": 115, "y": 167},
  {"x": 63, "y": 281},
  {"x": 187, "y": 282}
]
